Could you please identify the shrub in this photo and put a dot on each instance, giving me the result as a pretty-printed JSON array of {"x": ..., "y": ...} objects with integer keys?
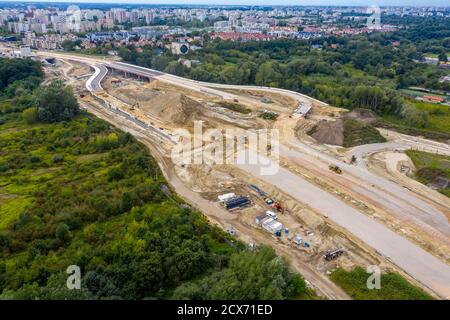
[
  {"x": 57, "y": 158},
  {"x": 30, "y": 115}
]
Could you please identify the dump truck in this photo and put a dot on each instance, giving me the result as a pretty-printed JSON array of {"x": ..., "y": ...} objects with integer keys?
[{"x": 335, "y": 168}]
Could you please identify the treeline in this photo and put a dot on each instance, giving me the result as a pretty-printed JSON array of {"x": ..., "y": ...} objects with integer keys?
[
  {"x": 76, "y": 191},
  {"x": 18, "y": 74}
]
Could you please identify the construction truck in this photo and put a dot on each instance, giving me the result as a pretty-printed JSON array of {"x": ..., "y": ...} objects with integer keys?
[
  {"x": 331, "y": 255},
  {"x": 335, "y": 168}
]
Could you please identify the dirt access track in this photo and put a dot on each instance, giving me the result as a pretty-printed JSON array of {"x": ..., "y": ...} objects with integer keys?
[{"x": 303, "y": 210}]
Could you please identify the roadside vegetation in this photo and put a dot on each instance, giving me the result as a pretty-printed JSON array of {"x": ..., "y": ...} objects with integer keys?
[
  {"x": 432, "y": 169},
  {"x": 234, "y": 107},
  {"x": 76, "y": 191},
  {"x": 393, "y": 286},
  {"x": 268, "y": 115}
]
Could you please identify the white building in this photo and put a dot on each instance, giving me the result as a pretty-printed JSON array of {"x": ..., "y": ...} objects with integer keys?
[{"x": 25, "y": 51}]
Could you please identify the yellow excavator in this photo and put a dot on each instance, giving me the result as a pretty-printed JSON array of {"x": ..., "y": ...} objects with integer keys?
[{"x": 335, "y": 168}]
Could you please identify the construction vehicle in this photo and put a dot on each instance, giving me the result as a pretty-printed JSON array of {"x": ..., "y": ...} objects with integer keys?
[
  {"x": 278, "y": 207},
  {"x": 331, "y": 255},
  {"x": 335, "y": 168},
  {"x": 135, "y": 106}
]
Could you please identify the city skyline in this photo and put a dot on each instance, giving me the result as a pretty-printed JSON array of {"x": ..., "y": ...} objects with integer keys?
[{"x": 419, "y": 3}]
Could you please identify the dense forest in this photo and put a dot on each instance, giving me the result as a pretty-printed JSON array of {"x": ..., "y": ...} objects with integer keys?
[
  {"x": 364, "y": 71},
  {"x": 76, "y": 191}
]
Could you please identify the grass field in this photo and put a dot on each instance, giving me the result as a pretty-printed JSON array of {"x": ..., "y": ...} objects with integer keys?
[
  {"x": 357, "y": 133},
  {"x": 416, "y": 93},
  {"x": 393, "y": 286},
  {"x": 438, "y": 127},
  {"x": 430, "y": 167},
  {"x": 435, "y": 55}
]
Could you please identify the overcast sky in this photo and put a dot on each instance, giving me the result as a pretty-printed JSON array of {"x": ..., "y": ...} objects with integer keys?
[{"x": 273, "y": 2}]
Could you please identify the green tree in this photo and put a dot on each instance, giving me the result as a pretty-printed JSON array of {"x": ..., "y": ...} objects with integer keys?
[
  {"x": 268, "y": 75},
  {"x": 62, "y": 232},
  {"x": 56, "y": 102},
  {"x": 414, "y": 117},
  {"x": 443, "y": 57}
]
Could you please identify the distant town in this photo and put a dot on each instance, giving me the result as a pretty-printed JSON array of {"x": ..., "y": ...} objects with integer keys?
[{"x": 47, "y": 27}]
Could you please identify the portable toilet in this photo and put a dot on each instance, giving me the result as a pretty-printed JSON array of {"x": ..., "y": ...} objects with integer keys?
[{"x": 286, "y": 230}]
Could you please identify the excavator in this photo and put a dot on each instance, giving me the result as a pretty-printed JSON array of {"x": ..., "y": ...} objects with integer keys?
[
  {"x": 335, "y": 168},
  {"x": 278, "y": 207},
  {"x": 135, "y": 106}
]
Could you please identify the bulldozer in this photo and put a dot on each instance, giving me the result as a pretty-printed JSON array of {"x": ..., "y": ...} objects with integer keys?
[{"x": 335, "y": 168}]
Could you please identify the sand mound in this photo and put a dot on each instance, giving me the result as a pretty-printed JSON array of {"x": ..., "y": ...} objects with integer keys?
[
  {"x": 364, "y": 115},
  {"x": 329, "y": 132},
  {"x": 172, "y": 107}
]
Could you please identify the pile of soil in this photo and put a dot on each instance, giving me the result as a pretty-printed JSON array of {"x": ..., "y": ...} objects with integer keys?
[
  {"x": 176, "y": 108},
  {"x": 364, "y": 115},
  {"x": 329, "y": 132}
]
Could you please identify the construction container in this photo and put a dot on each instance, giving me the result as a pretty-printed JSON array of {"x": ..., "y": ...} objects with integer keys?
[
  {"x": 272, "y": 226},
  {"x": 297, "y": 240},
  {"x": 226, "y": 196},
  {"x": 236, "y": 202},
  {"x": 261, "y": 218}
]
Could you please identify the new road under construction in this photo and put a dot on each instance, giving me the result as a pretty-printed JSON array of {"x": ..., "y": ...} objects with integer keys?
[{"x": 322, "y": 209}]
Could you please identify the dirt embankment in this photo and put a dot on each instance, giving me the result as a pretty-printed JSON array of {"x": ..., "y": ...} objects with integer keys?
[{"x": 329, "y": 132}]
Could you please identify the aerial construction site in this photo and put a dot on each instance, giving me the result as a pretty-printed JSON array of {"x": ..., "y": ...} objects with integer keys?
[{"x": 327, "y": 206}]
